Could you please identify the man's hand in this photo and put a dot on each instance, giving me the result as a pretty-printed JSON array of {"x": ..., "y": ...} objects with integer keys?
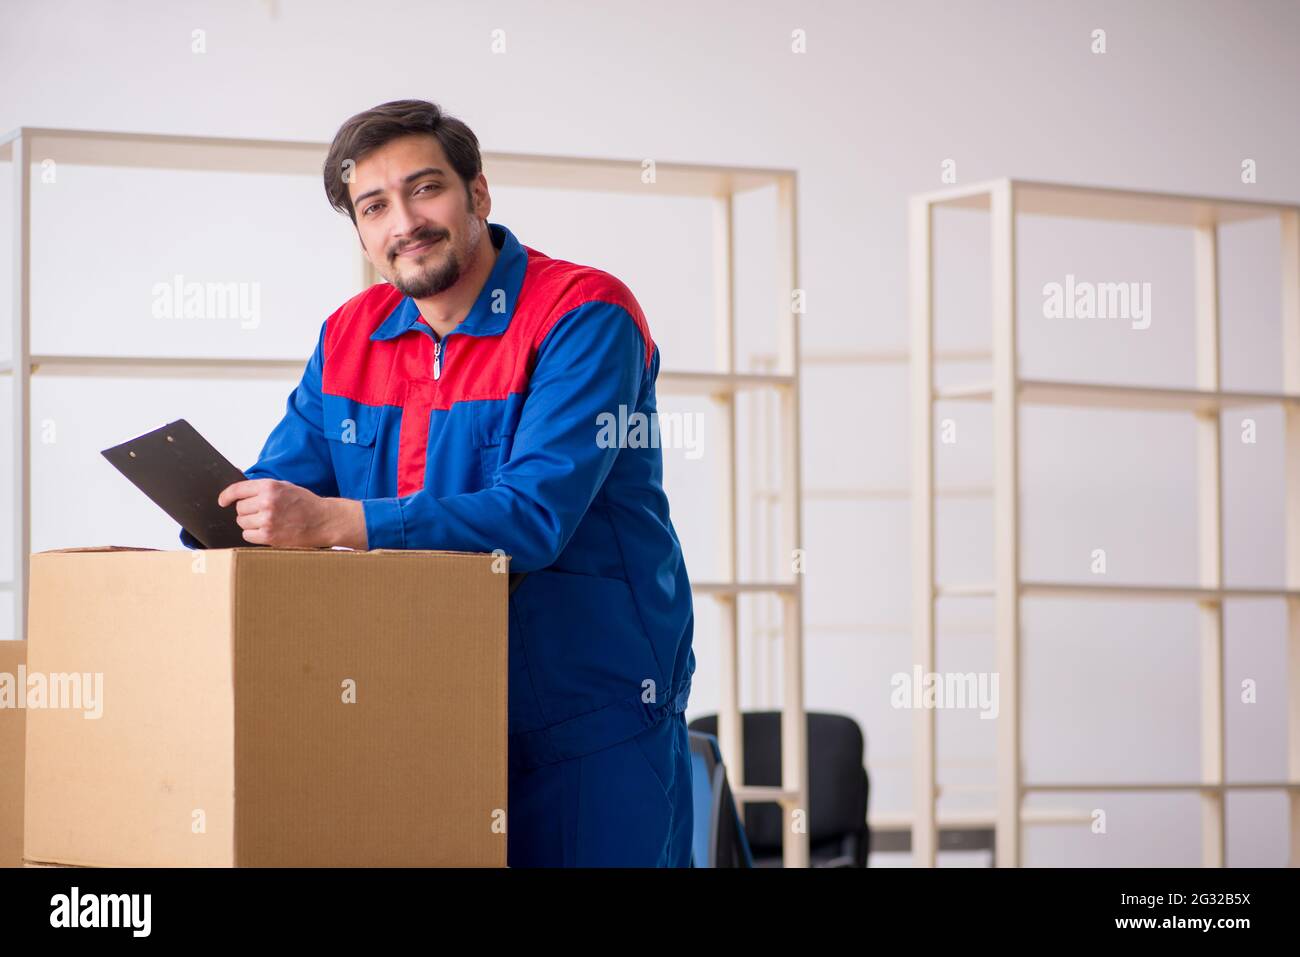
[{"x": 272, "y": 512}]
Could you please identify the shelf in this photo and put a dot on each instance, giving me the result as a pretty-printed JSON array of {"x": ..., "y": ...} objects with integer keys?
[
  {"x": 731, "y": 589},
  {"x": 1040, "y": 589},
  {"x": 162, "y": 367},
  {"x": 715, "y": 383},
  {"x": 1100, "y": 395},
  {"x": 974, "y": 820},
  {"x": 1158, "y": 786},
  {"x": 888, "y": 628},
  {"x": 753, "y": 792},
  {"x": 1106, "y": 591},
  {"x": 866, "y": 493},
  {"x": 892, "y": 356},
  {"x": 1113, "y": 205},
  {"x": 625, "y": 176},
  {"x": 963, "y": 591},
  {"x": 157, "y": 151}
]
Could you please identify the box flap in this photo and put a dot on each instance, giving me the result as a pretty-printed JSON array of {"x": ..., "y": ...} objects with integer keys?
[{"x": 95, "y": 548}]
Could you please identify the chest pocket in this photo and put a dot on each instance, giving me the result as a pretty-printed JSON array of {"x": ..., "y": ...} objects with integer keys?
[
  {"x": 494, "y": 434},
  {"x": 351, "y": 427}
]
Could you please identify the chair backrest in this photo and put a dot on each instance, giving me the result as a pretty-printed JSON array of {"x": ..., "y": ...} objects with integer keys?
[
  {"x": 837, "y": 783},
  {"x": 718, "y": 839}
]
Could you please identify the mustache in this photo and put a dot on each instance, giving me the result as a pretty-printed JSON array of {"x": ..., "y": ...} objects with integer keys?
[{"x": 423, "y": 236}]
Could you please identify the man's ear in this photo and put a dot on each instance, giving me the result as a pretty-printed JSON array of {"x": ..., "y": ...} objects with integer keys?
[{"x": 483, "y": 201}]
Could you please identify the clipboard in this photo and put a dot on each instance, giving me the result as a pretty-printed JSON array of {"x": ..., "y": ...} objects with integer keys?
[{"x": 183, "y": 474}]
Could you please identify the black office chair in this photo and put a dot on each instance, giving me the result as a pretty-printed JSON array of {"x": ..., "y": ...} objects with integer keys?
[
  {"x": 838, "y": 787},
  {"x": 719, "y": 839}
]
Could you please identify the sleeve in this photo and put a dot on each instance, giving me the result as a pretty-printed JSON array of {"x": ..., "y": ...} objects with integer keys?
[
  {"x": 591, "y": 362},
  {"x": 296, "y": 450}
]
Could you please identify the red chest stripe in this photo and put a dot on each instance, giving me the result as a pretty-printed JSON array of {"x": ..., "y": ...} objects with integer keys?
[{"x": 399, "y": 371}]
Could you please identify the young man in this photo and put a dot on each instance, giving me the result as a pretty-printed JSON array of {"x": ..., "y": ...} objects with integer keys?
[{"x": 460, "y": 406}]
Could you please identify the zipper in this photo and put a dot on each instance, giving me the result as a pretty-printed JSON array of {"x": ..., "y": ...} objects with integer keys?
[{"x": 439, "y": 342}]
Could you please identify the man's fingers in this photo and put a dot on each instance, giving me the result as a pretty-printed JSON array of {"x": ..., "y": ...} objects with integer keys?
[
  {"x": 241, "y": 490},
  {"x": 261, "y": 506},
  {"x": 253, "y": 520}
]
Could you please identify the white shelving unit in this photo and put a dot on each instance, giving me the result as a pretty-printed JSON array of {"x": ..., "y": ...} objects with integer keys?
[
  {"x": 1004, "y": 200},
  {"x": 716, "y": 184},
  {"x": 966, "y": 829}
]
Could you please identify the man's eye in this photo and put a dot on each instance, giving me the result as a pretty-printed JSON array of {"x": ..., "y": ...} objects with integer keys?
[
  {"x": 366, "y": 211},
  {"x": 426, "y": 186}
]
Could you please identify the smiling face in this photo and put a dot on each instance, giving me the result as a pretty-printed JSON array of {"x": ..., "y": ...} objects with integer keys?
[{"x": 420, "y": 225}]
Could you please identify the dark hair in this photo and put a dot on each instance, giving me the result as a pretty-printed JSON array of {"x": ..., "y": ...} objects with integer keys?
[{"x": 370, "y": 130}]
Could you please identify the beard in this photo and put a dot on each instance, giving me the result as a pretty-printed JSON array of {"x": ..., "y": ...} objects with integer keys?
[
  {"x": 429, "y": 280},
  {"x": 426, "y": 281}
]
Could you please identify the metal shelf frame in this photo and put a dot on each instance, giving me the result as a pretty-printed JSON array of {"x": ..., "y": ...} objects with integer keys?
[
  {"x": 716, "y": 184},
  {"x": 1005, "y": 200}
]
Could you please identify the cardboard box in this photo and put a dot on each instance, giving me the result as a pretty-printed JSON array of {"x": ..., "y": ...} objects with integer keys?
[
  {"x": 13, "y": 654},
  {"x": 267, "y": 707}
]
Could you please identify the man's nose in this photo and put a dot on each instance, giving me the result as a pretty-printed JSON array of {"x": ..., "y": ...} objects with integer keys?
[{"x": 406, "y": 222}]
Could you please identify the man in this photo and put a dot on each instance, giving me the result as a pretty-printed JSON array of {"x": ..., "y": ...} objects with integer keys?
[{"x": 459, "y": 406}]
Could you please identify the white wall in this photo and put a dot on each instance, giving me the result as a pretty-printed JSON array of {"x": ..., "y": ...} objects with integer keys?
[{"x": 885, "y": 93}]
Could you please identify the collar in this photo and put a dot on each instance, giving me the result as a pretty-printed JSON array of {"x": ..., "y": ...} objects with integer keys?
[{"x": 486, "y": 317}]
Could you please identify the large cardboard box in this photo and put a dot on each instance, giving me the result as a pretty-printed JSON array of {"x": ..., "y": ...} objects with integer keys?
[
  {"x": 13, "y": 655},
  {"x": 267, "y": 707}
]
